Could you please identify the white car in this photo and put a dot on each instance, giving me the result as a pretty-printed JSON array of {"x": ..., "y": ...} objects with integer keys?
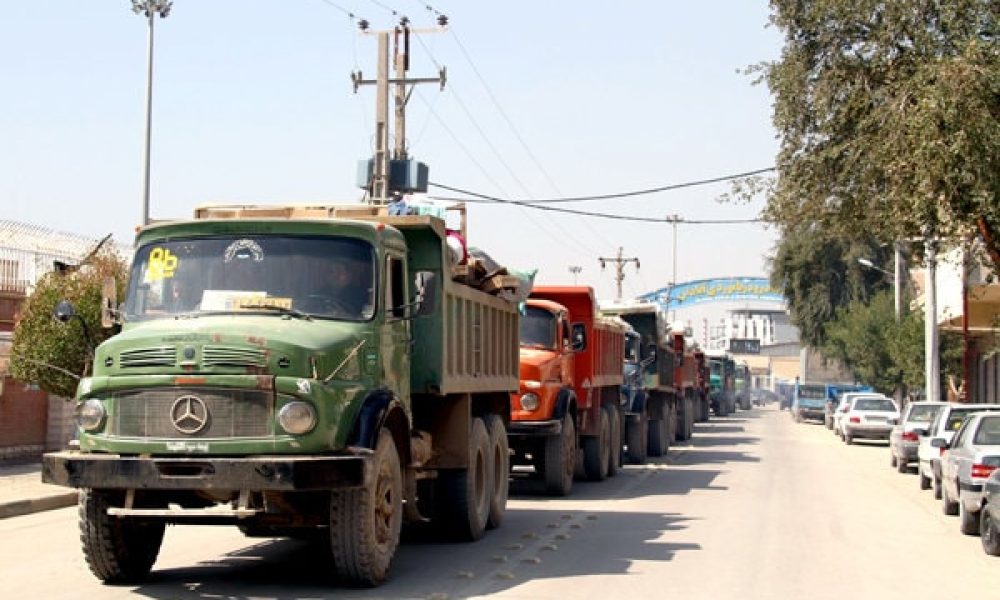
[
  {"x": 903, "y": 440},
  {"x": 945, "y": 424},
  {"x": 970, "y": 459},
  {"x": 868, "y": 417},
  {"x": 845, "y": 405}
]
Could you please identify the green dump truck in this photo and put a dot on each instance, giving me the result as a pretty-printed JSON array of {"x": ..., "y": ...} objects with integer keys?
[{"x": 303, "y": 371}]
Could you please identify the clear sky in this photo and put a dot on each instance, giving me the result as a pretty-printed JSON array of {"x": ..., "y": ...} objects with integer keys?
[{"x": 253, "y": 103}]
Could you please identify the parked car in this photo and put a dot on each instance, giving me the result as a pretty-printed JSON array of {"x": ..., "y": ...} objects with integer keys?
[
  {"x": 845, "y": 405},
  {"x": 945, "y": 424},
  {"x": 989, "y": 515},
  {"x": 970, "y": 459},
  {"x": 903, "y": 440},
  {"x": 868, "y": 417}
]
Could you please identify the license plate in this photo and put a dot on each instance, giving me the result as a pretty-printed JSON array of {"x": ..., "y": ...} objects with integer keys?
[{"x": 875, "y": 419}]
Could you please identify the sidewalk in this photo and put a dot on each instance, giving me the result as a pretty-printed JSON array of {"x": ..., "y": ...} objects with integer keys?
[{"x": 22, "y": 491}]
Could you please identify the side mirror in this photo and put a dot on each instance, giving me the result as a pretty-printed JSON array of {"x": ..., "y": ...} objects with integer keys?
[
  {"x": 109, "y": 303},
  {"x": 939, "y": 443},
  {"x": 578, "y": 334},
  {"x": 426, "y": 300},
  {"x": 64, "y": 311}
]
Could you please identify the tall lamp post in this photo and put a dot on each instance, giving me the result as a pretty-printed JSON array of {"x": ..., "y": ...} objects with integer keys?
[
  {"x": 897, "y": 286},
  {"x": 575, "y": 270},
  {"x": 149, "y": 9}
]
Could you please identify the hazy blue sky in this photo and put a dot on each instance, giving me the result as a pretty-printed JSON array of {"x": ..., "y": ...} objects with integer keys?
[{"x": 253, "y": 103}]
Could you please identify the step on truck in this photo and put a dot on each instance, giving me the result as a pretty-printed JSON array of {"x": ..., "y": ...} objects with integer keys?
[
  {"x": 651, "y": 426},
  {"x": 566, "y": 417},
  {"x": 294, "y": 371}
]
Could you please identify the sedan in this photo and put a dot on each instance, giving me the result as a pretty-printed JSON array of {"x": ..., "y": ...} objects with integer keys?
[
  {"x": 970, "y": 459},
  {"x": 869, "y": 418},
  {"x": 947, "y": 421},
  {"x": 903, "y": 439}
]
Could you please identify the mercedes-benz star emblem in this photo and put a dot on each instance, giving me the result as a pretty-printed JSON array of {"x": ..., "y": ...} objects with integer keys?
[{"x": 189, "y": 414}]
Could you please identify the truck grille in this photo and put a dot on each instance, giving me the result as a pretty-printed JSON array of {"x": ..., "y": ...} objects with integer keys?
[
  {"x": 162, "y": 356},
  {"x": 227, "y": 356},
  {"x": 232, "y": 413}
]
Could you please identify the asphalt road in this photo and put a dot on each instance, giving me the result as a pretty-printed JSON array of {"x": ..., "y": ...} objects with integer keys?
[{"x": 755, "y": 507}]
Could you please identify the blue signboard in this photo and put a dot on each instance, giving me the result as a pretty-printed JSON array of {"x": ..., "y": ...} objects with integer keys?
[{"x": 715, "y": 290}]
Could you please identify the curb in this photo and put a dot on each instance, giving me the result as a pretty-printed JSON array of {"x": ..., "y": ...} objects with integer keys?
[{"x": 17, "y": 508}]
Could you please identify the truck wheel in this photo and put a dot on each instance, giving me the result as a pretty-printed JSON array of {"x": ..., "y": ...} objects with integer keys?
[
  {"x": 465, "y": 493},
  {"x": 615, "y": 442},
  {"x": 597, "y": 451},
  {"x": 636, "y": 438},
  {"x": 365, "y": 522},
  {"x": 500, "y": 456},
  {"x": 559, "y": 459},
  {"x": 968, "y": 520},
  {"x": 117, "y": 550},
  {"x": 989, "y": 533},
  {"x": 658, "y": 440}
]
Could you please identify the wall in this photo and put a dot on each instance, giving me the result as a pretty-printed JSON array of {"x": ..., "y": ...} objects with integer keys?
[{"x": 23, "y": 419}]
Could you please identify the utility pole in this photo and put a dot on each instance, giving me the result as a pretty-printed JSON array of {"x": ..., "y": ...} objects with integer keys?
[
  {"x": 674, "y": 219},
  {"x": 401, "y": 63},
  {"x": 620, "y": 261},
  {"x": 575, "y": 270},
  {"x": 932, "y": 369}
]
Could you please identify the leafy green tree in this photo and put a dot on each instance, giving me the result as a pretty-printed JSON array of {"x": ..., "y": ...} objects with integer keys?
[
  {"x": 818, "y": 273},
  {"x": 887, "y": 114},
  {"x": 52, "y": 354}
]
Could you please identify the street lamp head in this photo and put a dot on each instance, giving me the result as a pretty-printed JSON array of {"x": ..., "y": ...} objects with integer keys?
[
  {"x": 867, "y": 263},
  {"x": 148, "y": 8}
]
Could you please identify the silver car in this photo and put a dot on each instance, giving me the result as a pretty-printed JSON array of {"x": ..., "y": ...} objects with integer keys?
[
  {"x": 968, "y": 462},
  {"x": 903, "y": 439},
  {"x": 944, "y": 425},
  {"x": 868, "y": 417}
]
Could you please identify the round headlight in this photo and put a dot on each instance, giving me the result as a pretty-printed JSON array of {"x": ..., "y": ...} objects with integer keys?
[
  {"x": 297, "y": 418},
  {"x": 529, "y": 401},
  {"x": 90, "y": 415}
]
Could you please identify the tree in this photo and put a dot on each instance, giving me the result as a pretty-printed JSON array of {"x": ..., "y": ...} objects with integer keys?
[
  {"x": 818, "y": 273},
  {"x": 52, "y": 354},
  {"x": 887, "y": 114}
]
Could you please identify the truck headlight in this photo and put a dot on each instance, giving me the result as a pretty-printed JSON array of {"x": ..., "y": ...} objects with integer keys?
[
  {"x": 529, "y": 402},
  {"x": 90, "y": 415},
  {"x": 297, "y": 418}
]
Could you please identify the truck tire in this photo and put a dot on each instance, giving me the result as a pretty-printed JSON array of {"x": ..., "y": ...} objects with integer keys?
[
  {"x": 117, "y": 550},
  {"x": 615, "y": 443},
  {"x": 464, "y": 494},
  {"x": 559, "y": 458},
  {"x": 365, "y": 522},
  {"x": 597, "y": 451},
  {"x": 658, "y": 439},
  {"x": 500, "y": 456},
  {"x": 637, "y": 438}
]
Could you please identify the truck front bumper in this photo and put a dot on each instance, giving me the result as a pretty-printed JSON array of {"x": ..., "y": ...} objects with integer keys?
[
  {"x": 257, "y": 473},
  {"x": 535, "y": 428}
]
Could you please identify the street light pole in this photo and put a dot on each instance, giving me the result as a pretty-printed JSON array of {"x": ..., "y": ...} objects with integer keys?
[
  {"x": 149, "y": 8},
  {"x": 932, "y": 373},
  {"x": 575, "y": 270}
]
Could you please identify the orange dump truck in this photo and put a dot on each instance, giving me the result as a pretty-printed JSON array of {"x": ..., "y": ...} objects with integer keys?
[{"x": 569, "y": 399}]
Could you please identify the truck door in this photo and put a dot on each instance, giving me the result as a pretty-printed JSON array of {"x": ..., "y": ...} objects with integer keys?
[{"x": 395, "y": 338}]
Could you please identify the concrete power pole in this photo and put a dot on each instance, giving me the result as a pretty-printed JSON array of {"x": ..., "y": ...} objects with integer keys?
[
  {"x": 619, "y": 261},
  {"x": 401, "y": 63}
]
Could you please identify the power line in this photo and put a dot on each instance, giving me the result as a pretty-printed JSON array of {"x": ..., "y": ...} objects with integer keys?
[
  {"x": 643, "y": 192},
  {"x": 349, "y": 14}
]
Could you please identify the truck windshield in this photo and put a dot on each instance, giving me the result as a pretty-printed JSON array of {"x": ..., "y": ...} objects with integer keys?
[
  {"x": 538, "y": 328},
  {"x": 633, "y": 346},
  {"x": 328, "y": 277},
  {"x": 812, "y": 391}
]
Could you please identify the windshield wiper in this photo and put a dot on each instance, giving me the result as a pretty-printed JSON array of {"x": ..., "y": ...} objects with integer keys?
[{"x": 285, "y": 311}]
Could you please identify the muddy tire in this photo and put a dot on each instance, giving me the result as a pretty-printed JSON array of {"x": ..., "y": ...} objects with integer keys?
[
  {"x": 365, "y": 522},
  {"x": 464, "y": 494},
  {"x": 615, "y": 444},
  {"x": 597, "y": 450},
  {"x": 117, "y": 550},
  {"x": 559, "y": 459},
  {"x": 500, "y": 457}
]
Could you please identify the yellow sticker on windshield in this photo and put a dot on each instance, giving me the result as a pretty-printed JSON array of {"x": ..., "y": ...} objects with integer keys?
[{"x": 162, "y": 264}]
